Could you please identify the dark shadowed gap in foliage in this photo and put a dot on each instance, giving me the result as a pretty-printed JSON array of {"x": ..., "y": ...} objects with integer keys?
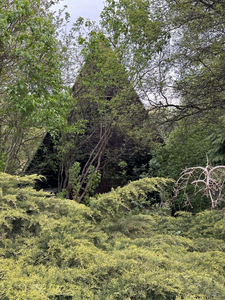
[{"x": 45, "y": 163}]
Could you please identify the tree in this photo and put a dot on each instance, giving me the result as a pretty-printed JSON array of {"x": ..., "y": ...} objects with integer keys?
[
  {"x": 31, "y": 88},
  {"x": 180, "y": 76},
  {"x": 112, "y": 117},
  {"x": 200, "y": 54},
  {"x": 175, "y": 51},
  {"x": 135, "y": 31}
]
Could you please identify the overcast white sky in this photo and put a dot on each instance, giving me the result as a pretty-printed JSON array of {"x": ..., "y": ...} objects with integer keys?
[{"x": 88, "y": 9}]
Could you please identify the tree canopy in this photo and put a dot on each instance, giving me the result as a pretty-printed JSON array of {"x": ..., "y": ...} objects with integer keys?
[
  {"x": 31, "y": 87},
  {"x": 177, "y": 51}
]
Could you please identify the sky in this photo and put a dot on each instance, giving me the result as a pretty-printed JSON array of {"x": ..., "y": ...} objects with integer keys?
[{"x": 88, "y": 9}]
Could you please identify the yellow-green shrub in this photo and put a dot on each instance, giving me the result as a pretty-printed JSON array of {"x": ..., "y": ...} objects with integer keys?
[{"x": 58, "y": 249}]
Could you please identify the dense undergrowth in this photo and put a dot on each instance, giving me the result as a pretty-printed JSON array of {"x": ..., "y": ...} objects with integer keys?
[{"x": 58, "y": 249}]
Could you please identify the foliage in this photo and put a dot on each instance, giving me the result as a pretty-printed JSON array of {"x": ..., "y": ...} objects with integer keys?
[
  {"x": 134, "y": 196},
  {"x": 185, "y": 146},
  {"x": 58, "y": 249},
  {"x": 90, "y": 184},
  {"x": 115, "y": 123},
  {"x": 124, "y": 244},
  {"x": 217, "y": 140},
  {"x": 174, "y": 51},
  {"x": 31, "y": 89},
  {"x": 200, "y": 53},
  {"x": 137, "y": 35}
]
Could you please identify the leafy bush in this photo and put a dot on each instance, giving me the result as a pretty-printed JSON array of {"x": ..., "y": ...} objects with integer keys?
[{"x": 58, "y": 249}]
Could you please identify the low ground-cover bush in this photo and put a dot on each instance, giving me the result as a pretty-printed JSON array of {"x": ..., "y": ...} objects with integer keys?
[{"x": 57, "y": 249}]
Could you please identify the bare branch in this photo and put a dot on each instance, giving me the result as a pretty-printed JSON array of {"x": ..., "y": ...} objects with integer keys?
[{"x": 209, "y": 181}]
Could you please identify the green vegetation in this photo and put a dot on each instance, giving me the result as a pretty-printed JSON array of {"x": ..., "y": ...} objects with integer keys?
[
  {"x": 32, "y": 94},
  {"x": 126, "y": 121},
  {"x": 58, "y": 249}
]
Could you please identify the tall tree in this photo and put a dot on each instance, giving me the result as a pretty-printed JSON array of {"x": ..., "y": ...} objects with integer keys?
[
  {"x": 200, "y": 54},
  {"x": 30, "y": 77},
  {"x": 175, "y": 49},
  {"x": 111, "y": 112}
]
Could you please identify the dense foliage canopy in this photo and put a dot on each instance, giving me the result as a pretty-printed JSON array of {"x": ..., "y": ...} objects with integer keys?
[{"x": 31, "y": 88}]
